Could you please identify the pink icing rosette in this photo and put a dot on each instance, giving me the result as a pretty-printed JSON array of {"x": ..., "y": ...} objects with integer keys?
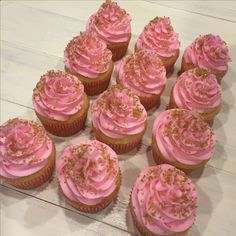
[
  {"x": 87, "y": 55},
  {"x": 164, "y": 200},
  {"x": 197, "y": 90},
  {"x": 58, "y": 95},
  {"x": 143, "y": 72},
  {"x": 208, "y": 52},
  {"x": 118, "y": 113},
  {"x": 110, "y": 23},
  {"x": 87, "y": 172},
  {"x": 182, "y": 136},
  {"x": 24, "y": 148},
  {"x": 160, "y": 36}
]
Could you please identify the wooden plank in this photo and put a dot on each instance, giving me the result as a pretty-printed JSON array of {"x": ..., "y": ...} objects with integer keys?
[
  {"x": 29, "y": 216},
  {"x": 225, "y": 10}
]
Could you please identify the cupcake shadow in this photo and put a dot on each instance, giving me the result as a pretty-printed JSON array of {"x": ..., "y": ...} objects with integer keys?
[{"x": 130, "y": 225}]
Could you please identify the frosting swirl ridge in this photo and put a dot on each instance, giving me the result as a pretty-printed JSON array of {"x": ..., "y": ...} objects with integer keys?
[
  {"x": 160, "y": 36},
  {"x": 182, "y": 136},
  {"x": 24, "y": 148},
  {"x": 208, "y": 52},
  {"x": 87, "y": 55},
  {"x": 197, "y": 90},
  {"x": 58, "y": 95},
  {"x": 118, "y": 112},
  {"x": 110, "y": 23},
  {"x": 143, "y": 72},
  {"x": 87, "y": 171},
  {"x": 164, "y": 200}
]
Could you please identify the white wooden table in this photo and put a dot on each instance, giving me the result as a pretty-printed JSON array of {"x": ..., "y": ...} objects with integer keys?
[{"x": 33, "y": 38}]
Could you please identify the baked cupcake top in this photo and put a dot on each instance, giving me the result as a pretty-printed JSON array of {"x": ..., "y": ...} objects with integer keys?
[
  {"x": 164, "y": 200},
  {"x": 208, "y": 51},
  {"x": 87, "y": 55},
  {"x": 183, "y": 137},
  {"x": 110, "y": 23},
  {"x": 24, "y": 148},
  {"x": 58, "y": 95},
  {"x": 87, "y": 171},
  {"x": 143, "y": 72},
  {"x": 118, "y": 113},
  {"x": 160, "y": 36},
  {"x": 197, "y": 90}
]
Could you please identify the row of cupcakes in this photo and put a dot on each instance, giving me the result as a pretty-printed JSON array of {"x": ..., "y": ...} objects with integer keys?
[{"x": 163, "y": 200}]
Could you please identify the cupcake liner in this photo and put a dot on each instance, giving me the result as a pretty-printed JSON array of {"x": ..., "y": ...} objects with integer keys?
[
  {"x": 95, "y": 86},
  {"x": 142, "y": 229},
  {"x": 66, "y": 128},
  {"x": 150, "y": 102},
  {"x": 120, "y": 146},
  {"x": 36, "y": 179},
  {"x": 99, "y": 206},
  {"x": 63, "y": 129}
]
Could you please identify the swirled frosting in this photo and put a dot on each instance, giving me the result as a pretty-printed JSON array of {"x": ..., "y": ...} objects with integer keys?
[
  {"x": 197, "y": 90},
  {"x": 208, "y": 52},
  {"x": 24, "y": 148},
  {"x": 88, "y": 171},
  {"x": 183, "y": 137},
  {"x": 58, "y": 95},
  {"x": 160, "y": 36},
  {"x": 164, "y": 200},
  {"x": 110, "y": 23},
  {"x": 143, "y": 72},
  {"x": 118, "y": 113},
  {"x": 87, "y": 55}
]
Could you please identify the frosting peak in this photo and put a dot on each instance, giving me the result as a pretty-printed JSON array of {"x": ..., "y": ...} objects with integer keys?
[
  {"x": 110, "y": 23},
  {"x": 118, "y": 113},
  {"x": 197, "y": 90},
  {"x": 87, "y": 55},
  {"x": 24, "y": 148},
  {"x": 183, "y": 137},
  {"x": 143, "y": 72},
  {"x": 164, "y": 200},
  {"x": 58, "y": 95},
  {"x": 160, "y": 36},
  {"x": 209, "y": 52},
  {"x": 87, "y": 171}
]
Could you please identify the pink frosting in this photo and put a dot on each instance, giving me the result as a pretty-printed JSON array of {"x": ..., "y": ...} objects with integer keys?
[
  {"x": 118, "y": 113},
  {"x": 160, "y": 36},
  {"x": 182, "y": 136},
  {"x": 110, "y": 23},
  {"x": 143, "y": 72},
  {"x": 58, "y": 95},
  {"x": 197, "y": 90},
  {"x": 24, "y": 148},
  {"x": 164, "y": 200},
  {"x": 88, "y": 171},
  {"x": 87, "y": 55},
  {"x": 208, "y": 52}
]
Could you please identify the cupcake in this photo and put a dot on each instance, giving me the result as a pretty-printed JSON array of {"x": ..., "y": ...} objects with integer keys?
[
  {"x": 144, "y": 73},
  {"x": 163, "y": 201},
  {"x": 197, "y": 90},
  {"x": 181, "y": 138},
  {"x": 208, "y": 52},
  {"x": 89, "y": 175},
  {"x": 112, "y": 24},
  {"x": 160, "y": 36},
  {"x": 27, "y": 154},
  {"x": 119, "y": 119},
  {"x": 60, "y": 103},
  {"x": 87, "y": 57}
]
